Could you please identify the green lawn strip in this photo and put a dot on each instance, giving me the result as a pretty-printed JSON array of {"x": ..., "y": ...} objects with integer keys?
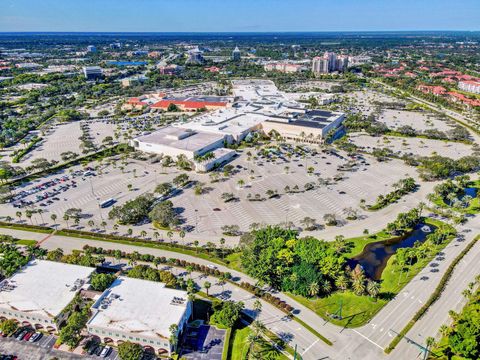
[
  {"x": 312, "y": 330},
  {"x": 434, "y": 297},
  {"x": 226, "y": 344},
  {"x": 142, "y": 243},
  {"x": 359, "y": 310},
  {"x": 238, "y": 347},
  {"x": 26, "y": 242},
  {"x": 24, "y": 227},
  {"x": 397, "y": 134}
]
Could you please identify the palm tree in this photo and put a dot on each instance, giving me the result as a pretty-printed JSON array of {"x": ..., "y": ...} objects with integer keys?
[
  {"x": 156, "y": 235},
  {"x": 66, "y": 217},
  {"x": 195, "y": 243},
  {"x": 129, "y": 231},
  {"x": 326, "y": 287},
  {"x": 358, "y": 286},
  {"x": 207, "y": 285},
  {"x": 342, "y": 282},
  {"x": 313, "y": 289},
  {"x": 222, "y": 243},
  {"x": 143, "y": 233},
  {"x": 444, "y": 330},
  {"x": 19, "y": 215},
  {"x": 257, "y": 307},
  {"x": 53, "y": 217},
  {"x": 91, "y": 223},
  {"x": 170, "y": 235},
  {"x": 40, "y": 212},
  {"x": 173, "y": 335},
  {"x": 373, "y": 288},
  {"x": 182, "y": 235}
]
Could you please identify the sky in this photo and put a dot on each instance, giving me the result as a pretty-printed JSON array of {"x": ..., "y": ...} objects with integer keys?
[{"x": 237, "y": 15}]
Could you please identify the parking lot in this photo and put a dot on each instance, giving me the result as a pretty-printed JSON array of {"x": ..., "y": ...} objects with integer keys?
[
  {"x": 26, "y": 344},
  {"x": 203, "y": 343}
]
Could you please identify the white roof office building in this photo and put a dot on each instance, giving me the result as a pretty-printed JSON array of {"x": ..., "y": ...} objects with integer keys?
[
  {"x": 139, "y": 311},
  {"x": 37, "y": 294},
  {"x": 174, "y": 141}
]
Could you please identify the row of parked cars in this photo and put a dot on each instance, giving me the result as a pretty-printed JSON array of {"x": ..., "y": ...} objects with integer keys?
[
  {"x": 26, "y": 334},
  {"x": 19, "y": 200},
  {"x": 99, "y": 350}
]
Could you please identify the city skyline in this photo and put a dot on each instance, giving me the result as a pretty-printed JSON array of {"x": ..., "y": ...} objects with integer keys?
[{"x": 248, "y": 16}]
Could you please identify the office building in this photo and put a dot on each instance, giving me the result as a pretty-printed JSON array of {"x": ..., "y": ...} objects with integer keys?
[
  {"x": 92, "y": 72},
  {"x": 195, "y": 57},
  {"x": 236, "y": 54},
  {"x": 91, "y": 48},
  {"x": 37, "y": 294},
  {"x": 470, "y": 86},
  {"x": 139, "y": 311}
]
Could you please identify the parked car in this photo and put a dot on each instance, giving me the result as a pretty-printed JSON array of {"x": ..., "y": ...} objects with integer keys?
[
  {"x": 106, "y": 351},
  {"x": 99, "y": 350},
  {"x": 35, "y": 337},
  {"x": 28, "y": 335},
  {"x": 22, "y": 335}
]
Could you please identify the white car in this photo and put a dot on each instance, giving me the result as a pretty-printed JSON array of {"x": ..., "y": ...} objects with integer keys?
[
  {"x": 106, "y": 351},
  {"x": 212, "y": 267}
]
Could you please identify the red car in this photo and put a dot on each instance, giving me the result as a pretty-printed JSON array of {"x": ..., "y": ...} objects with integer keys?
[{"x": 29, "y": 335}]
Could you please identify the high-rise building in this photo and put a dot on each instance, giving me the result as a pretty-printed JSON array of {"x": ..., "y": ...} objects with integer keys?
[
  {"x": 328, "y": 63},
  {"x": 195, "y": 56},
  {"x": 91, "y": 48},
  {"x": 92, "y": 72},
  {"x": 342, "y": 63},
  {"x": 320, "y": 65},
  {"x": 236, "y": 54}
]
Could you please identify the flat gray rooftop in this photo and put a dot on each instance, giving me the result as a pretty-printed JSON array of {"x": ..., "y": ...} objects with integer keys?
[
  {"x": 42, "y": 287},
  {"x": 142, "y": 307},
  {"x": 181, "y": 138}
]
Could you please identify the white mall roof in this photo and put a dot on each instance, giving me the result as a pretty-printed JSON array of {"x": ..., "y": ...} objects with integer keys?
[
  {"x": 140, "y": 307},
  {"x": 42, "y": 287},
  {"x": 181, "y": 138}
]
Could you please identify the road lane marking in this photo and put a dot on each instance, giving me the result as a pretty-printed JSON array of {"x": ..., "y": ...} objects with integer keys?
[
  {"x": 311, "y": 345},
  {"x": 366, "y": 338}
]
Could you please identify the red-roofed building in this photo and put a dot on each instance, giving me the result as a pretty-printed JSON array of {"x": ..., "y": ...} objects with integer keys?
[
  {"x": 457, "y": 97},
  {"x": 435, "y": 90},
  {"x": 188, "y": 105},
  {"x": 212, "y": 69}
]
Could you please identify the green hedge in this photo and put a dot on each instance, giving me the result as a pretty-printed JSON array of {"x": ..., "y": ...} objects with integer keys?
[
  {"x": 431, "y": 300},
  {"x": 23, "y": 152}
]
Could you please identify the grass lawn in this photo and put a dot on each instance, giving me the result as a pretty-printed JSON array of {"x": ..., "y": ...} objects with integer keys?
[
  {"x": 358, "y": 310},
  {"x": 234, "y": 262},
  {"x": 239, "y": 347},
  {"x": 27, "y": 242}
]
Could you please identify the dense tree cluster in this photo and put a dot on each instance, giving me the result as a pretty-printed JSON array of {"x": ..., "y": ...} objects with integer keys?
[
  {"x": 11, "y": 259},
  {"x": 462, "y": 337},
  {"x": 101, "y": 282},
  {"x": 133, "y": 211},
  {"x": 305, "y": 266},
  {"x": 148, "y": 273},
  {"x": 438, "y": 167},
  {"x": 226, "y": 313}
]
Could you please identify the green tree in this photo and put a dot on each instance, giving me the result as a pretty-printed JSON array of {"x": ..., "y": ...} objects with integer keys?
[{"x": 130, "y": 351}]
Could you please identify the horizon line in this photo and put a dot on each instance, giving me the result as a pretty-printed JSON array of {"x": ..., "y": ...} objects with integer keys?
[{"x": 234, "y": 32}]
